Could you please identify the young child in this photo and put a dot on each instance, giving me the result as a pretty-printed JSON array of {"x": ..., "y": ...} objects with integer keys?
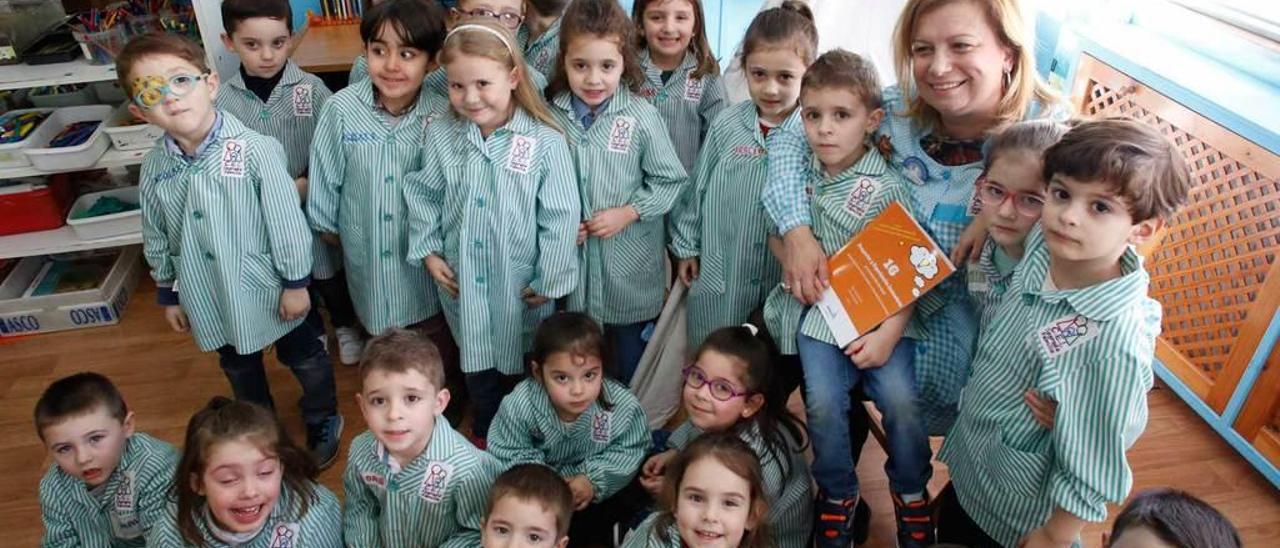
[
  {"x": 1165, "y": 518},
  {"x": 108, "y": 483},
  {"x": 272, "y": 96},
  {"x": 721, "y": 245},
  {"x": 529, "y": 505},
  {"x": 540, "y": 36},
  {"x": 1080, "y": 331},
  {"x": 629, "y": 176},
  {"x": 713, "y": 495},
  {"x": 1011, "y": 196},
  {"x": 411, "y": 479},
  {"x": 841, "y": 107},
  {"x": 681, "y": 75},
  {"x": 493, "y": 212},
  {"x": 243, "y": 483},
  {"x": 727, "y": 389},
  {"x": 224, "y": 234},
  {"x": 369, "y": 139},
  {"x": 571, "y": 417}
]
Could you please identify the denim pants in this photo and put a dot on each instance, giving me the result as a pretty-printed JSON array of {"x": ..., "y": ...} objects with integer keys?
[
  {"x": 627, "y": 342},
  {"x": 302, "y": 353},
  {"x": 829, "y": 376}
]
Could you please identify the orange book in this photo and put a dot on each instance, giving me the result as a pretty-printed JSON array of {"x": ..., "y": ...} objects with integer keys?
[{"x": 884, "y": 268}]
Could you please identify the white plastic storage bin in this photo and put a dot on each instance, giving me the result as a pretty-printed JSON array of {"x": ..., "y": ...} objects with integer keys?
[
  {"x": 11, "y": 155},
  {"x": 23, "y": 314},
  {"x": 135, "y": 137},
  {"x": 82, "y": 156},
  {"x": 106, "y": 226},
  {"x": 109, "y": 92},
  {"x": 79, "y": 97}
]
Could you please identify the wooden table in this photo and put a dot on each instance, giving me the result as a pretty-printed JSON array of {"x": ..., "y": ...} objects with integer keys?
[{"x": 328, "y": 48}]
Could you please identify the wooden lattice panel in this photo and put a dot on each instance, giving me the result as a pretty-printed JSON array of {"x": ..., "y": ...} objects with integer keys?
[{"x": 1215, "y": 255}]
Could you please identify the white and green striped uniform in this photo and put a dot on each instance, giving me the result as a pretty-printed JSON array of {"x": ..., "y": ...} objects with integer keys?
[
  {"x": 988, "y": 280},
  {"x": 288, "y": 116},
  {"x": 625, "y": 158},
  {"x": 503, "y": 212},
  {"x": 725, "y": 226},
  {"x": 644, "y": 535},
  {"x": 436, "y": 500},
  {"x": 541, "y": 52},
  {"x": 225, "y": 230},
  {"x": 131, "y": 511},
  {"x": 436, "y": 79},
  {"x": 359, "y": 162},
  {"x": 1090, "y": 350},
  {"x": 786, "y": 484},
  {"x": 688, "y": 105},
  {"x": 841, "y": 205},
  {"x": 607, "y": 446},
  {"x": 320, "y": 527}
]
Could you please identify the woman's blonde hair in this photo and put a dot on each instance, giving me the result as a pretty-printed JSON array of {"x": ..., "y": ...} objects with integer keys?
[
  {"x": 498, "y": 45},
  {"x": 1022, "y": 86}
]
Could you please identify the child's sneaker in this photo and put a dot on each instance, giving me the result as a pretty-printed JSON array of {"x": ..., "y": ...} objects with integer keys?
[
  {"x": 834, "y": 523},
  {"x": 915, "y": 522},
  {"x": 323, "y": 439},
  {"x": 350, "y": 345}
]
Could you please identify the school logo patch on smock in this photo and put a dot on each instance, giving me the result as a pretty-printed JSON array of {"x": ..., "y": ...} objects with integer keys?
[
  {"x": 435, "y": 482},
  {"x": 124, "y": 514},
  {"x": 693, "y": 89},
  {"x": 620, "y": 136},
  {"x": 234, "y": 152},
  {"x": 520, "y": 156},
  {"x": 374, "y": 479},
  {"x": 978, "y": 282},
  {"x": 859, "y": 199},
  {"x": 285, "y": 535},
  {"x": 302, "y": 105},
  {"x": 600, "y": 427},
  {"x": 1067, "y": 332}
]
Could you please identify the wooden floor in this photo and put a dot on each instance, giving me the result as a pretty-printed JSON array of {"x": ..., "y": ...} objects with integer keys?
[{"x": 165, "y": 378}]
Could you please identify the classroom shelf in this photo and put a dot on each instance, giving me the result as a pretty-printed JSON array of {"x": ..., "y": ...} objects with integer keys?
[
  {"x": 112, "y": 158},
  {"x": 60, "y": 240},
  {"x": 72, "y": 72}
]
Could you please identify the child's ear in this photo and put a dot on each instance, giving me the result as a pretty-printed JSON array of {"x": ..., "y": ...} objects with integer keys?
[
  {"x": 196, "y": 485},
  {"x": 128, "y": 424},
  {"x": 442, "y": 400},
  {"x": 227, "y": 42},
  {"x": 752, "y": 405},
  {"x": 1145, "y": 230},
  {"x": 874, "y": 118},
  {"x": 563, "y": 542},
  {"x": 213, "y": 84},
  {"x": 137, "y": 113},
  {"x": 513, "y": 77}
]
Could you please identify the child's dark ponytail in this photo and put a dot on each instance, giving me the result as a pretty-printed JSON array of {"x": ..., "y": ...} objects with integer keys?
[{"x": 788, "y": 25}]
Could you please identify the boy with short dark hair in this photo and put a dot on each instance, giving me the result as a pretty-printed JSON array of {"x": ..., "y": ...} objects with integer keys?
[
  {"x": 411, "y": 479},
  {"x": 272, "y": 96},
  {"x": 1076, "y": 326},
  {"x": 108, "y": 483},
  {"x": 224, "y": 233},
  {"x": 529, "y": 505}
]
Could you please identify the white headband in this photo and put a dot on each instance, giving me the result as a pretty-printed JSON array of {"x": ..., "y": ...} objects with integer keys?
[{"x": 470, "y": 26}]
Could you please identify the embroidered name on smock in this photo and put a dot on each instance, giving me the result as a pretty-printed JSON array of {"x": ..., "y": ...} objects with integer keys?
[
  {"x": 359, "y": 137},
  {"x": 749, "y": 151}
]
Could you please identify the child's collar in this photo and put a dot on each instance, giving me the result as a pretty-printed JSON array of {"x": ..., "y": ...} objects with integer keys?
[
  {"x": 870, "y": 164},
  {"x": 654, "y": 74},
  {"x": 289, "y": 74},
  {"x": 1101, "y": 301},
  {"x": 171, "y": 144}
]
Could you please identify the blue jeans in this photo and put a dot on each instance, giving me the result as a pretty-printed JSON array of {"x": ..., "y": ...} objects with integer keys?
[
  {"x": 627, "y": 342},
  {"x": 302, "y": 353},
  {"x": 829, "y": 376}
]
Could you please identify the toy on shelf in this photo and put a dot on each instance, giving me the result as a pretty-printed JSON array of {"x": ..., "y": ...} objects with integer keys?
[{"x": 337, "y": 12}]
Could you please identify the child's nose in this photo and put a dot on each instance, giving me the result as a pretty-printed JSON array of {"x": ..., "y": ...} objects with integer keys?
[{"x": 83, "y": 457}]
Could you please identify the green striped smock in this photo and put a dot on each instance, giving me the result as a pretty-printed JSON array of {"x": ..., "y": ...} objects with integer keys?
[
  {"x": 438, "y": 499},
  {"x": 503, "y": 212},
  {"x": 625, "y": 158},
  {"x": 787, "y": 485},
  {"x": 606, "y": 446},
  {"x": 132, "y": 511},
  {"x": 226, "y": 232},
  {"x": 841, "y": 206},
  {"x": 436, "y": 79},
  {"x": 541, "y": 52},
  {"x": 289, "y": 115},
  {"x": 644, "y": 536},
  {"x": 358, "y": 167},
  {"x": 725, "y": 226},
  {"x": 688, "y": 105},
  {"x": 320, "y": 527},
  {"x": 988, "y": 280},
  {"x": 1089, "y": 349}
]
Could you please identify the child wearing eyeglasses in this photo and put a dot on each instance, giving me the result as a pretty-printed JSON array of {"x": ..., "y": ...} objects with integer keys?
[
  {"x": 728, "y": 388},
  {"x": 224, "y": 233}
]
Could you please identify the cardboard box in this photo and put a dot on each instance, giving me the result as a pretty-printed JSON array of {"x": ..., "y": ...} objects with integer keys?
[{"x": 97, "y": 306}]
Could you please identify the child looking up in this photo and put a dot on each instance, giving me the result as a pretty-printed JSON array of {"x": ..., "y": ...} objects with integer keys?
[
  {"x": 108, "y": 483},
  {"x": 224, "y": 234}
]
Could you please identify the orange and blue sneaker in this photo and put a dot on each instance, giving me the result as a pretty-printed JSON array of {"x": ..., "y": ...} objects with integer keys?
[
  {"x": 840, "y": 524},
  {"x": 915, "y": 522}
]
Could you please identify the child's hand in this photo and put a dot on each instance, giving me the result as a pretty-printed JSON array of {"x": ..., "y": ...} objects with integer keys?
[
  {"x": 873, "y": 349},
  {"x": 301, "y": 183},
  {"x": 177, "y": 318},
  {"x": 1042, "y": 408},
  {"x": 651, "y": 485},
  {"x": 331, "y": 239},
  {"x": 1039, "y": 538},
  {"x": 969, "y": 247},
  {"x": 532, "y": 299},
  {"x": 582, "y": 491},
  {"x": 608, "y": 223},
  {"x": 687, "y": 270},
  {"x": 294, "y": 303},
  {"x": 442, "y": 274},
  {"x": 582, "y": 233},
  {"x": 657, "y": 464}
]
